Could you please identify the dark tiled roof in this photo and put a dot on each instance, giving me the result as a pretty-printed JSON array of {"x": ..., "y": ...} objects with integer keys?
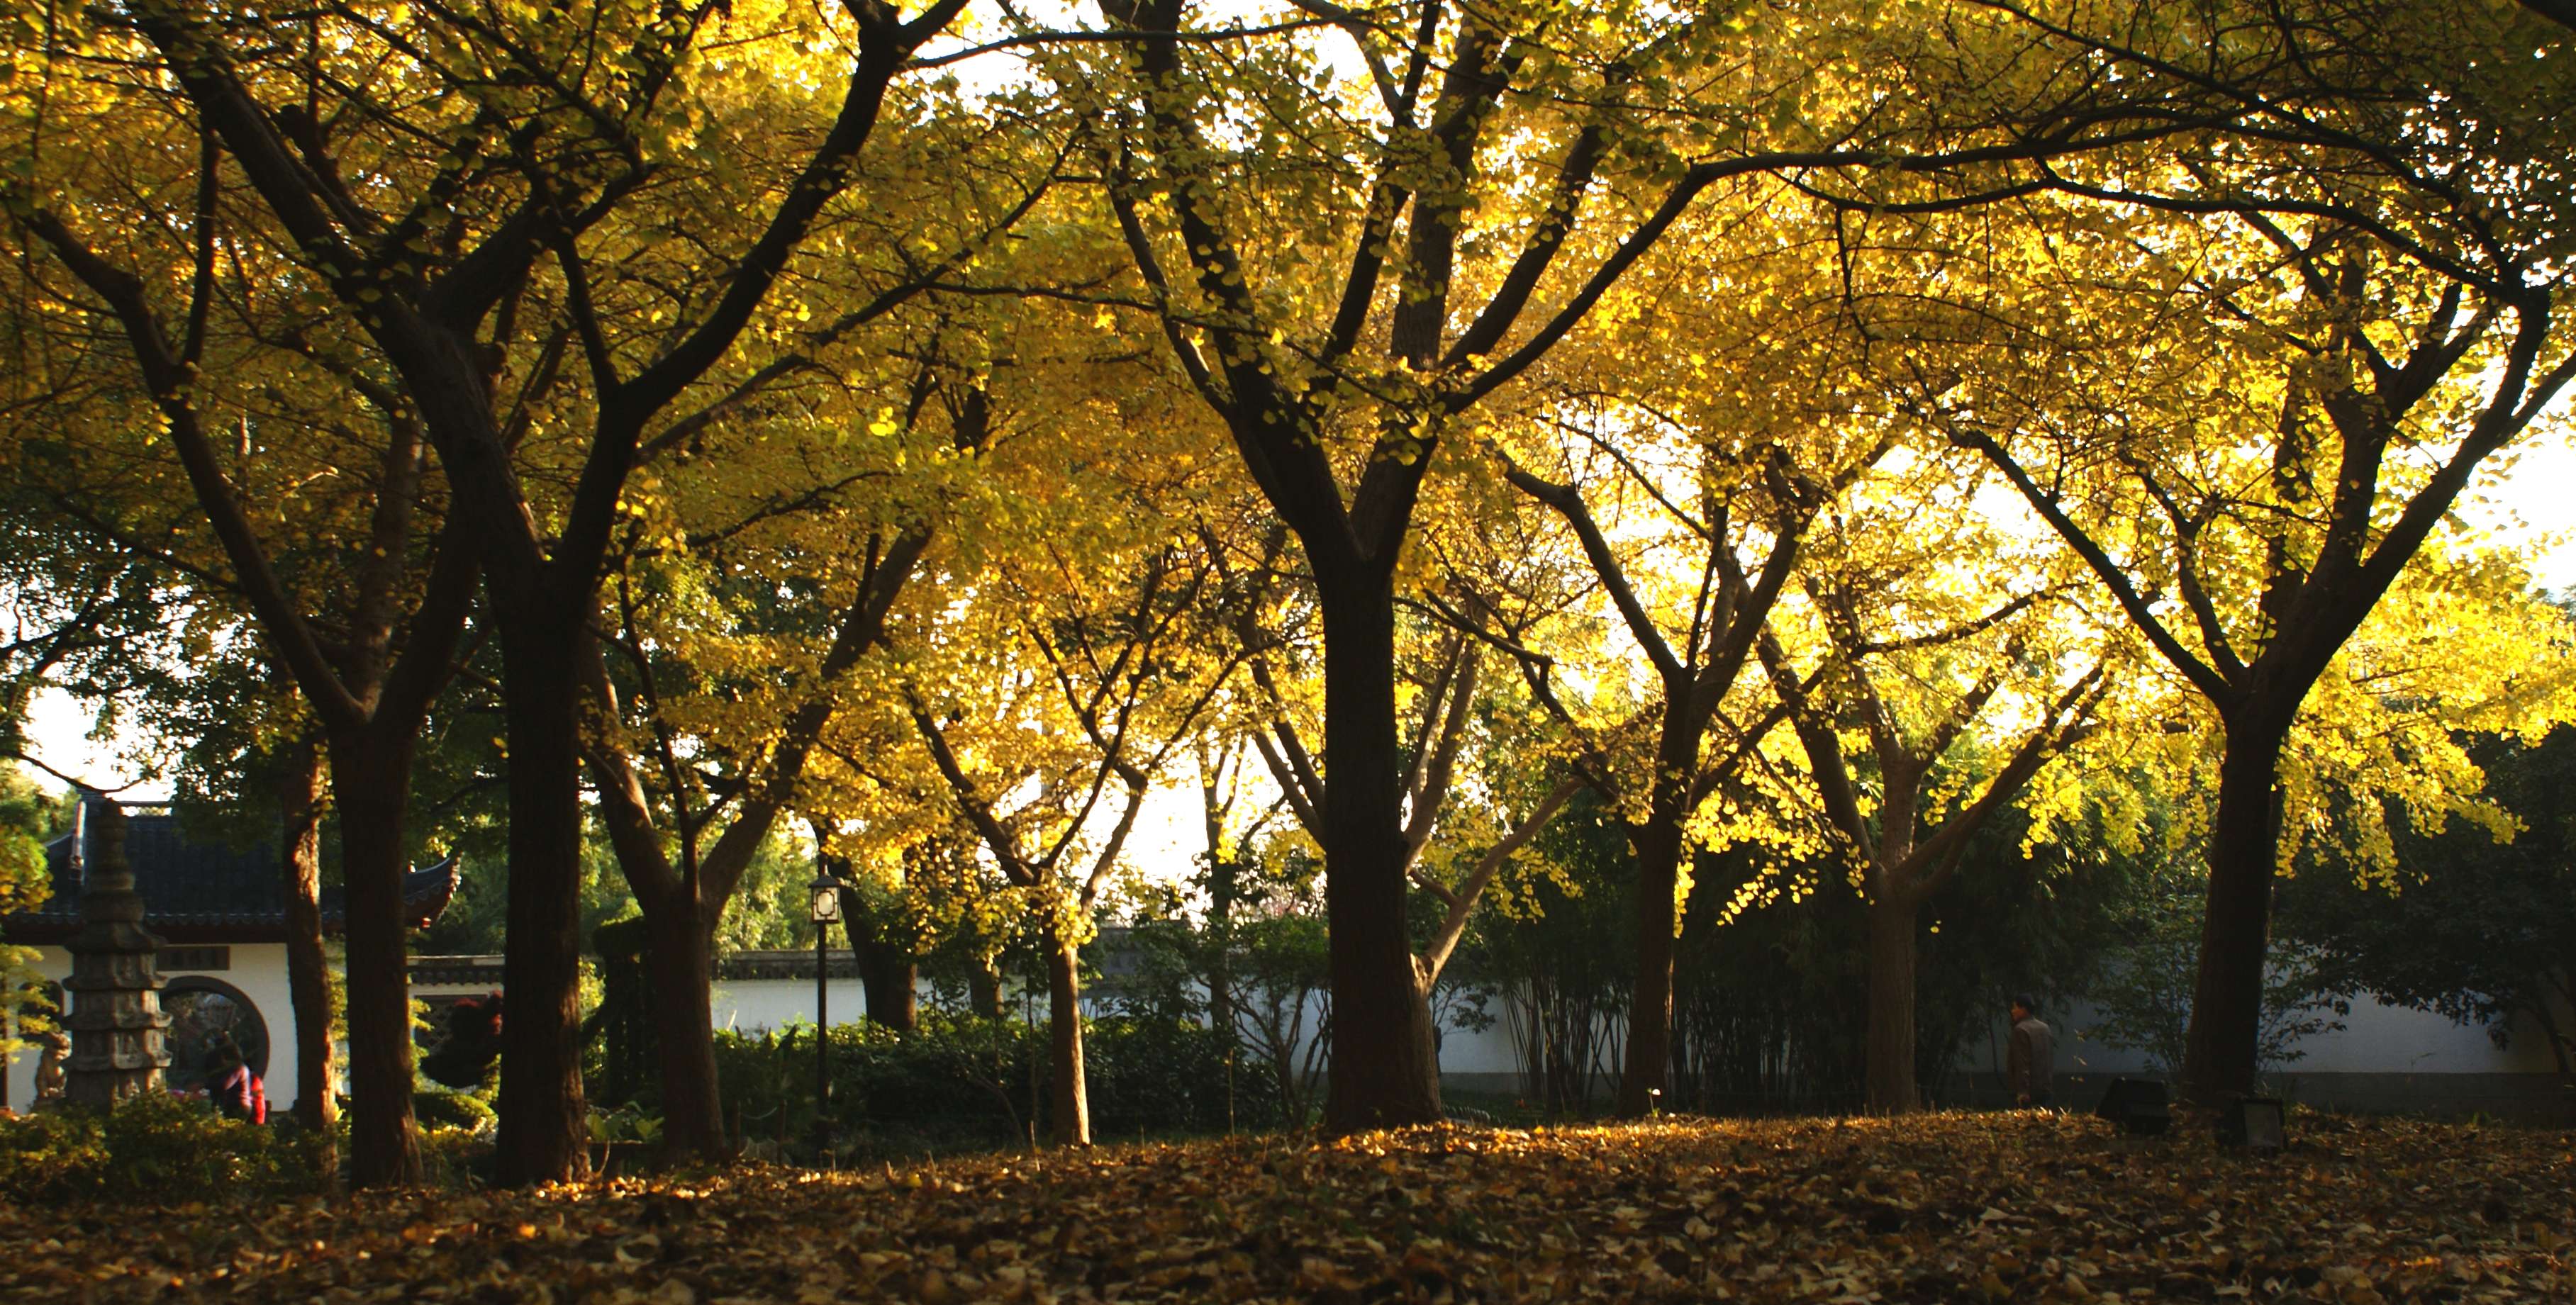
[{"x": 199, "y": 887}]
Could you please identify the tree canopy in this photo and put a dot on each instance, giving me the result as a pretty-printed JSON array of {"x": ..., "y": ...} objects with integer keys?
[{"x": 1808, "y": 439}]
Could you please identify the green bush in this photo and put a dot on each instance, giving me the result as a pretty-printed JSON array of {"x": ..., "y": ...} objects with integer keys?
[
  {"x": 1166, "y": 1076},
  {"x": 961, "y": 1083},
  {"x": 465, "y": 1110},
  {"x": 455, "y": 1157},
  {"x": 152, "y": 1147},
  {"x": 52, "y": 1153}
]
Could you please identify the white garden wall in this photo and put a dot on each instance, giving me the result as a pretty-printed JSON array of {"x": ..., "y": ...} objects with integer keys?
[{"x": 256, "y": 971}]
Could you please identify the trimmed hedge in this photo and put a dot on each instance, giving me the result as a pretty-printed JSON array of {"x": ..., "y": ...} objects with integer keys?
[
  {"x": 463, "y": 1110},
  {"x": 152, "y": 1148},
  {"x": 963, "y": 1083}
]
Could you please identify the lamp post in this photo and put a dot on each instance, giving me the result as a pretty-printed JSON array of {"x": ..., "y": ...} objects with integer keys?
[{"x": 826, "y": 913}]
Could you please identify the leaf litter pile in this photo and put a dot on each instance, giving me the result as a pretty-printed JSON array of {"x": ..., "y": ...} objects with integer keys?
[{"x": 1931, "y": 1208}]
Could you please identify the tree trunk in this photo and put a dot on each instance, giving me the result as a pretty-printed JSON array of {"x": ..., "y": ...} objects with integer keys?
[
  {"x": 371, "y": 781},
  {"x": 308, "y": 972},
  {"x": 2563, "y": 990},
  {"x": 984, "y": 989},
  {"x": 2537, "y": 1007},
  {"x": 1220, "y": 934},
  {"x": 1658, "y": 845},
  {"x": 891, "y": 978},
  {"x": 1379, "y": 1076},
  {"x": 2219, "y": 1049},
  {"x": 1890, "y": 1040},
  {"x": 682, "y": 954},
  {"x": 1427, "y": 1025},
  {"x": 1070, "y": 1099},
  {"x": 544, "y": 1129}
]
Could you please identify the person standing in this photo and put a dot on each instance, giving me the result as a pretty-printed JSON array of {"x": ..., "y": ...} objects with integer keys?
[
  {"x": 230, "y": 1085},
  {"x": 2030, "y": 1063}
]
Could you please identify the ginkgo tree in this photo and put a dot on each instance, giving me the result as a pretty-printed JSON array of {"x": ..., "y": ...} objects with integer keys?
[
  {"x": 1463, "y": 822},
  {"x": 1050, "y": 727},
  {"x": 456, "y": 185},
  {"x": 762, "y": 560},
  {"x": 1684, "y": 451},
  {"x": 2247, "y": 391},
  {"x": 768, "y": 535},
  {"x": 1926, "y": 693},
  {"x": 234, "y": 443},
  {"x": 1346, "y": 267},
  {"x": 829, "y": 438},
  {"x": 702, "y": 738},
  {"x": 1057, "y": 663}
]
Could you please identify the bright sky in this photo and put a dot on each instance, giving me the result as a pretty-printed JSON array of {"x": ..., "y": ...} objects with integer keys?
[{"x": 2535, "y": 509}]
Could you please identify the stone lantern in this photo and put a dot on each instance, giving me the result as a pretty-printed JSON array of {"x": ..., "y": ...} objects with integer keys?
[{"x": 115, "y": 1019}]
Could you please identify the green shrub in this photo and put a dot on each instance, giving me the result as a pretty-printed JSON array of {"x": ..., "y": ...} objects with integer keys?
[
  {"x": 152, "y": 1147},
  {"x": 1164, "y": 1076},
  {"x": 465, "y": 1110},
  {"x": 49, "y": 1154},
  {"x": 962, "y": 1083},
  {"x": 455, "y": 1157}
]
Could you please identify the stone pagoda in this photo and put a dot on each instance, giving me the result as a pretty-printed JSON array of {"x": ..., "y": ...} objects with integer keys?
[{"x": 115, "y": 1019}]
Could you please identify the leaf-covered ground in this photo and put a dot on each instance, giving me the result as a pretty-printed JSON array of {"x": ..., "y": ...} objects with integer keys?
[{"x": 1935, "y": 1208}]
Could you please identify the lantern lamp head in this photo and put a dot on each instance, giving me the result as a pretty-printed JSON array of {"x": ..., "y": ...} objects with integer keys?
[{"x": 827, "y": 899}]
